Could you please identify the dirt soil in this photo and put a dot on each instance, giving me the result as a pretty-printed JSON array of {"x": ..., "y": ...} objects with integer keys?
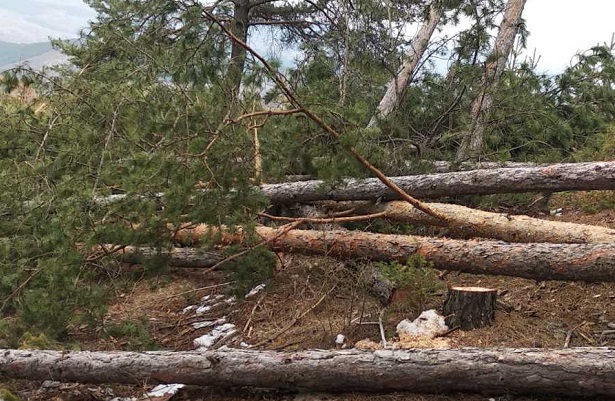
[{"x": 310, "y": 300}]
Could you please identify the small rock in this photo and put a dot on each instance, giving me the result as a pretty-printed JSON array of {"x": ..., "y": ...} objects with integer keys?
[{"x": 50, "y": 384}]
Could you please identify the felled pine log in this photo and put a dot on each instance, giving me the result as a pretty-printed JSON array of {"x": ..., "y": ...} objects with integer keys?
[
  {"x": 588, "y": 372},
  {"x": 478, "y": 223},
  {"x": 550, "y": 178},
  {"x": 539, "y": 261},
  {"x": 177, "y": 257}
]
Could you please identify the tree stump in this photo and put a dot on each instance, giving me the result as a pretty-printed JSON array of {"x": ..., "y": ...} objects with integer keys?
[{"x": 469, "y": 307}]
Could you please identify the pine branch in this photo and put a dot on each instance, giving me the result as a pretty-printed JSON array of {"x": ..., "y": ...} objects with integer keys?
[{"x": 282, "y": 84}]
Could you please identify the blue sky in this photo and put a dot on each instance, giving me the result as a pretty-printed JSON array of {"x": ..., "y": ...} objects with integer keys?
[{"x": 559, "y": 28}]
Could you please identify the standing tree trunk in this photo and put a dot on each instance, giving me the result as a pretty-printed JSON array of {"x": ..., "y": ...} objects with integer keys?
[
  {"x": 398, "y": 84},
  {"x": 587, "y": 372},
  {"x": 473, "y": 143},
  {"x": 239, "y": 28}
]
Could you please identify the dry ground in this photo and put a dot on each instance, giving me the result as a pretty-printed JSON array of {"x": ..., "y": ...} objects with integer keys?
[{"x": 312, "y": 299}]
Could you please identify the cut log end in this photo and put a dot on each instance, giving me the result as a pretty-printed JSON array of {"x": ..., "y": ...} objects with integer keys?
[{"x": 470, "y": 307}]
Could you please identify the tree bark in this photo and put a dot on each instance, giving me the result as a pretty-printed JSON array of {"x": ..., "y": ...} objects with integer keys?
[
  {"x": 587, "y": 372},
  {"x": 551, "y": 178},
  {"x": 440, "y": 166},
  {"x": 177, "y": 257},
  {"x": 398, "y": 84},
  {"x": 478, "y": 223},
  {"x": 582, "y": 262},
  {"x": 544, "y": 178},
  {"x": 239, "y": 28},
  {"x": 469, "y": 307},
  {"x": 473, "y": 143}
]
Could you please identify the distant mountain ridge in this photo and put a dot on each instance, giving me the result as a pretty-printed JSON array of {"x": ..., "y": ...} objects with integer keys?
[{"x": 36, "y": 55}]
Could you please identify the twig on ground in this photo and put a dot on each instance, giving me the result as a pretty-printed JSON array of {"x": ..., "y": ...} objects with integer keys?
[
  {"x": 295, "y": 320},
  {"x": 381, "y": 326},
  {"x": 325, "y": 220},
  {"x": 283, "y": 230},
  {"x": 449, "y": 331},
  {"x": 193, "y": 290},
  {"x": 571, "y": 332},
  {"x": 245, "y": 327}
]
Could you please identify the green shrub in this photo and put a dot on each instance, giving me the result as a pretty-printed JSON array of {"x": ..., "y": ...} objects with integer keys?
[
  {"x": 134, "y": 332},
  {"x": 6, "y": 395},
  {"x": 250, "y": 269},
  {"x": 417, "y": 276}
]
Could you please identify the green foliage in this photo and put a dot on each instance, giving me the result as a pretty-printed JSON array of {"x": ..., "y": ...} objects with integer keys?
[
  {"x": 599, "y": 147},
  {"x": 145, "y": 110},
  {"x": 249, "y": 270},
  {"x": 6, "y": 395},
  {"x": 588, "y": 202},
  {"x": 134, "y": 332},
  {"x": 417, "y": 278},
  {"x": 33, "y": 341}
]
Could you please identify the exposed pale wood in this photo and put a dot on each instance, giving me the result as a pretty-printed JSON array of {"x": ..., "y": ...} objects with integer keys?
[
  {"x": 587, "y": 372},
  {"x": 540, "y": 261},
  {"x": 551, "y": 178},
  {"x": 469, "y": 307},
  {"x": 478, "y": 223}
]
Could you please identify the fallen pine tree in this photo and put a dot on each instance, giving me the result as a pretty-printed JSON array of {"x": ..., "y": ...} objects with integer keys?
[
  {"x": 440, "y": 166},
  {"x": 478, "y": 223},
  {"x": 587, "y": 372},
  {"x": 540, "y": 261},
  {"x": 541, "y": 178},
  {"x": 179, "y": 257},
  {"x": 551, "y": 178}
]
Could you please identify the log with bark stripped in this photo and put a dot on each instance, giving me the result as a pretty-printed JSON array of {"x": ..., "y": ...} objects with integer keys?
[
  {"x": 552, "y": 178},
  {"x": 478, "y": 223},
  {"x": 588, "y": 372},
  {"x": 540, "y": 261}
]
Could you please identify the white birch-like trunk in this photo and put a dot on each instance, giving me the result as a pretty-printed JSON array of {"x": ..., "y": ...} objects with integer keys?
[
  {"x": 473, "y": 143},
  {"x": 398, "y": 84}
]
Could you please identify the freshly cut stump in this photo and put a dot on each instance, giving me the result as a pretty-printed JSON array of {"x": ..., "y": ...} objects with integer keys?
[{"x": 469, "y": 307}]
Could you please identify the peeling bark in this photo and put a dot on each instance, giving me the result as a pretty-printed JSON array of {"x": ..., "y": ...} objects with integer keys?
[
  {"x": 587, "y": 372},
  {"x": 551, "y": 178},
  {"x": 539, "y": 261}
]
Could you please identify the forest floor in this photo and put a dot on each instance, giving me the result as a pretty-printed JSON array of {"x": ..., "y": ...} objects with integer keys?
[{"x": 310, "y": 300}]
